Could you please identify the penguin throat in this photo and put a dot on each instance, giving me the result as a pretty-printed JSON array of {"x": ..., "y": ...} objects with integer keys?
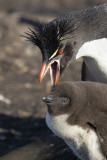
[{"x": 55, "y": 71}]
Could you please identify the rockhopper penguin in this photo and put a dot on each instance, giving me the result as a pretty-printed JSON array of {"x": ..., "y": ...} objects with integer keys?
[
  {"x": 76, "y": 34},
  {"x": 77, "y": 113}
]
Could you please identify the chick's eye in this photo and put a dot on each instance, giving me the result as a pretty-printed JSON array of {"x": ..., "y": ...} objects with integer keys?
[{"x": 61, "y": 51}]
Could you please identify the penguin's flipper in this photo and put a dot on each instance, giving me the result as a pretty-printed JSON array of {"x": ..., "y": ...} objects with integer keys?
[
  {"x": 100, "y": 126},
  {"x": 85, "y": 73}
]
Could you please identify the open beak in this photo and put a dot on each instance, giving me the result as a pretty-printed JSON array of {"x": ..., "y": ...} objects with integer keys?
[{"x": 54, "y": 67}]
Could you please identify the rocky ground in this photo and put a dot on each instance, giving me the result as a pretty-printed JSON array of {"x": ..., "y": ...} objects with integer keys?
[{"x": 22, "y": 112}]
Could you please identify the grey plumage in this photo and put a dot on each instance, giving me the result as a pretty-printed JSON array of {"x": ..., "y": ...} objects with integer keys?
[{"x": 85, "y": 104}]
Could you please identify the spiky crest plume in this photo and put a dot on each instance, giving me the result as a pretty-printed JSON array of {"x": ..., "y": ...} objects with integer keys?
[
  {"x": 53, "y": 32},
  {"x": 34, "y": 33}
]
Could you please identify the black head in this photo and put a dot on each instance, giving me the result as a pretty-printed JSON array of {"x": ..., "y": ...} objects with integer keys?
[
  {"x": 59, "y": 100},
  {"x": 54, "y": 41}
]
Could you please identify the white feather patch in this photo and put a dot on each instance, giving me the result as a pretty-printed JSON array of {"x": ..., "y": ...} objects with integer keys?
[
  {"x": 97, "y": 50},
  {"x": 75, "y": 136}
]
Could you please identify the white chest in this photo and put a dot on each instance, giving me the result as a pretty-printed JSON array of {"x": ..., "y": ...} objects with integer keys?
[
  {"x": 94, "y": 54},
  {"x": 84, "y": 143}
]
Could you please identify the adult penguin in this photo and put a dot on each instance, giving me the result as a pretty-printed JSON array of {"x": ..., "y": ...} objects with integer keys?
[{"x": 76, "y": 34}]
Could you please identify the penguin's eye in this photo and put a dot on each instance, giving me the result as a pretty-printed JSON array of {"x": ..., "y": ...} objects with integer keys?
[
  {"x": 61, "y": 51},
  {"x": 64, "y": 101}
]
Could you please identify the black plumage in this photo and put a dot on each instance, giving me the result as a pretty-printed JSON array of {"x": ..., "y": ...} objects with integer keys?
[{"x": 48, "y": 36}]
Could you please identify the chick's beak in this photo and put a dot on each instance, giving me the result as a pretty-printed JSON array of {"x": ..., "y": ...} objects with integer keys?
[
  {"x": 54, "y": 71},
  {"x": 48, "y": 99}
]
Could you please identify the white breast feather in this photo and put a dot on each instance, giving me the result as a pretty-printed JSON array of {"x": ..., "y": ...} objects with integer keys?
[
  {"x": 75, "y": 134},
  {"x": 96, "y": 49}
]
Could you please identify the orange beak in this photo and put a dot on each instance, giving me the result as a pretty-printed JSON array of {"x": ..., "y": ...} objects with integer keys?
[
  {"x": 57, "y": 77},
  {"x": 54, "y": 72},
  {"x": 42, "y": 71}
]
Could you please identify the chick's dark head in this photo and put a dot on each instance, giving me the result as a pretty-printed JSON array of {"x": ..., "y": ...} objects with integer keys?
[
  {"x": 53, "y": 41},
  {"x": 59, "y": 100}
]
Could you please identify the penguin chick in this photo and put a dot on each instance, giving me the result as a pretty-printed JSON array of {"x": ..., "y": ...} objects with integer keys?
[{"x": 77, "y": 113}]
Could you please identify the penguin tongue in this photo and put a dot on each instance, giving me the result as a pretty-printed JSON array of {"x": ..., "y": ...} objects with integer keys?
[{"x": 55, "y": 72}]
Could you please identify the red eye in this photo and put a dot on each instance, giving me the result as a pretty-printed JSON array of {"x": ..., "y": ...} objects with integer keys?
[{"x": 61, "y": 51}]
